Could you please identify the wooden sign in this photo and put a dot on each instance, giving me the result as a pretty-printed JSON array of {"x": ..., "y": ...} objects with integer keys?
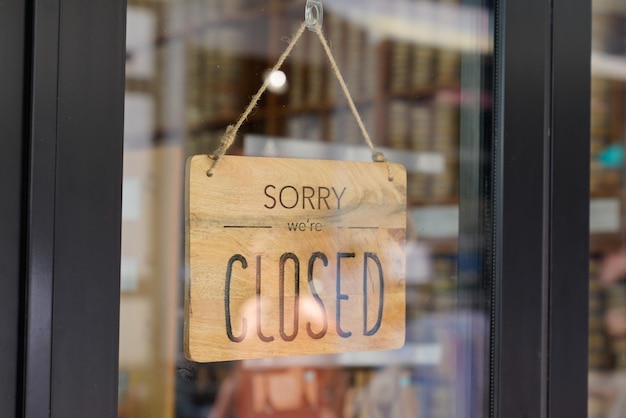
[{"x": 292, "y": 257}]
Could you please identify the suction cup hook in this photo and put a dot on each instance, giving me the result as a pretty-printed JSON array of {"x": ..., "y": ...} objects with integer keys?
[{"x": 314, "y": 14}]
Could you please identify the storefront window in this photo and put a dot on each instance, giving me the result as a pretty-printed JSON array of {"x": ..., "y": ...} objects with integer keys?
[
  {"x": 420, "y": 75},
  {"x": 607, "y": 291}
]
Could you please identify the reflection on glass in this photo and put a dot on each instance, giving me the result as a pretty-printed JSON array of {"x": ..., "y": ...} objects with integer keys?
[{"x": 419, "y": 73}]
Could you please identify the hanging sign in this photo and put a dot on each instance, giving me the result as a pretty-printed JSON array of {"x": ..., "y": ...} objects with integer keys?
[{"x": 292, "y": 257}]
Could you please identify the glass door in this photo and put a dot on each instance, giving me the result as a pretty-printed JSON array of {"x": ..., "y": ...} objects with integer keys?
[{"x": 420, "y": 76}]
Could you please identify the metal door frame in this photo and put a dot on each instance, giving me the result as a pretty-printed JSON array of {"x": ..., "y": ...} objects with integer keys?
[
  {"x": 540, "y": 327},
  {"x": 61, "y": 114}
]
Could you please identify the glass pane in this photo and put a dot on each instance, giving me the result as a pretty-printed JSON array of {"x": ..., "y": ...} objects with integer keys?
[
  {"x": 607, "y": 291},
  {"x": 420, "y": 75}
]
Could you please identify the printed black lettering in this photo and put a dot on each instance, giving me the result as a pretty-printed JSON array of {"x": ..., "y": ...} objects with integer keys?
[
  {"x": 316, "y": 296},
  {"x": 281, "y": 295},
  {"x": 244, "y": 323},
  {"x": 381, "y": 295},
  {"x": 339, "y": 196},
  {"x": 270, "y": 196},
  {"x": 258, "y": 303},
  {"x": 340, "y": 296},
  {"x": 281, "y": 198},
  {"x": 322, "y": 197},
  {"x": 308, "y": 196}
]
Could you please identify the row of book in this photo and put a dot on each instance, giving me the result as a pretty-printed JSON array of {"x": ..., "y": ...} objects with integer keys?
[
  {"x": 311, "y": 79},
  {"x": 423, "y": 187},
  {"x": 608, "y": 30},
  {"x": 412, "y": 66},
  {"x": 607, "y": 303},
  {"x": 425, "y": 126},
  {"x": 606, "y": 132},
  {"x": 218, "y": 61},
  {"x": 601, "y": 92},
  {"x": 214, "y": 74},
  {"x": 607, "y": 97},
  {"x": 415, "y": 66}
]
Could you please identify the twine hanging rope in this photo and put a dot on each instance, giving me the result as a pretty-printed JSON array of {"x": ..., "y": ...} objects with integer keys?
[{"x": 231, "y": 131}]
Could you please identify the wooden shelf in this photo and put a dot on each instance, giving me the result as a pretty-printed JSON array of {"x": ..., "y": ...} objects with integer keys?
[
  {"x": 287, "y": 110},
  {"x": 449, "y": 201},
  {"x": 607, "y": 193},
  {"x": 441, "y": 245},
  {"x": 600, "y": 244},
  {"x": 422, "y": 93},
  {"x": 412, "y": 354}
]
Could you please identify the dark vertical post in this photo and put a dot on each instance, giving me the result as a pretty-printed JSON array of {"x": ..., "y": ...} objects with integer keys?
[
  {"x": 88, "y": 209},
  {"x": 73, "y": 206},
  {"x": 40, "y": 214},
  {"x": 569, "y": 231},
  {"x": 521, "y": 113},
  {"x": 542, "y": 208},
  {"x": 12, "y": 57}
]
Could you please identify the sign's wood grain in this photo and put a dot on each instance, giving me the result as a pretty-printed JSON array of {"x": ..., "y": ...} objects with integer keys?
[{"x": 292, "y": 257}]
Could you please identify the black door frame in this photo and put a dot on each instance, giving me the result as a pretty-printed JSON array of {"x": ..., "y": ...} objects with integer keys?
[
  {"x": 12, "y": 77},
  {"x": 542, "y": 208},
  {"x": 62, "y": 78},
  {"x": 88, "y": 209},
  {"x": 60, "y": 217},
  {"x": 568, "y": 267}
]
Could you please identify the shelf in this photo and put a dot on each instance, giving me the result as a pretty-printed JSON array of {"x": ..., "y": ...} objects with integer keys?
[
  {"x": 221, "y": 122},
  {"x": 600, "y": 244},
  {"x": 286, "y": 110},
  {"x": 323, "y": 106},
  {"x": 423, "y": 93},
  {"x": 613, "y": 193},
  {"x": 231, "y": 18},
  {"x": 412, "y": 354},
  {"x": 608, "y": 66},
  {"x": 441, "y": 245},
  {"x": 448, "y": 201}
]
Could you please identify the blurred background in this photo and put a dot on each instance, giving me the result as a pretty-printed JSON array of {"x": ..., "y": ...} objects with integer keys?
[{"x": 607, "y": 286}]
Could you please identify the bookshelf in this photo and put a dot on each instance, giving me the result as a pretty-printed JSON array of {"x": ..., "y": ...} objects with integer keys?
[{"x": 607, "y": 236}]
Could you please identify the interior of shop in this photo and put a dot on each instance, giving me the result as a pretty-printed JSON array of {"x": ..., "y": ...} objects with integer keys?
[
  {"x": 606, "y": 287},
  {"x": 419, "y": 73}
]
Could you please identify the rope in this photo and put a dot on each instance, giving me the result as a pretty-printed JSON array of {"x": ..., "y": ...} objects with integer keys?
[
  {"x": 376, "y": 155},
  {"x": 231, "y": 131}
]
